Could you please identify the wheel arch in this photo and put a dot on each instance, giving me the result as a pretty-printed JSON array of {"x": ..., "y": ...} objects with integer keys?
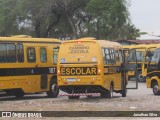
[
  {"x": 152, "y": 82},
  {"x": 53, "y": 79}
]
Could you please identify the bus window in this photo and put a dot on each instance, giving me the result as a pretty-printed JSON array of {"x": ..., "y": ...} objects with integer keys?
[
  {"x": 121, "y": 56},
  {"x": 55, "y": 55},
  {"x": 132, "y": 57},
  {"x": 11, "y": 53},
  {"x": 31, "y": 55},
  {"x": 109, "y": 56},
  {"x": 117, "y": 55},
  {"x": 140, "y": 56},
  {"x": 103, "y": 54},
  {"x": 2, "y": 53},
  {"x": 43, "y": 55},
  {"x": 20, "y": 53},
  {"x": 7, "y": 53},
  {"x": 112, "y": 56}
]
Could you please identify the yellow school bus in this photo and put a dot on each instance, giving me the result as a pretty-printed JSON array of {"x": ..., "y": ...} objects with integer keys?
[
  {"x": 153, "y": 72},
  {"x": 141, "y": 60},
  {"x": 87, "y": 65},
  {"x": 28, "y": 65}
]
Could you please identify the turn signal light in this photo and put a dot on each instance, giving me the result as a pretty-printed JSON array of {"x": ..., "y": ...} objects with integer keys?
[
  {"x": 79, "y": 42},
  {"x": 99, "y": 72},
  {"x": 58, "y": 73}
]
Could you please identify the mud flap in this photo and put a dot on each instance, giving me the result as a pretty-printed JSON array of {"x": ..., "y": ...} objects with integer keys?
[{"x": 44, "y": 79}]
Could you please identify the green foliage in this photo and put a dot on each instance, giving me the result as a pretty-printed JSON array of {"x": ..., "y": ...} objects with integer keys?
[
  {"x": 104, "y": 19},
  {"x": 108, "y": 17}
]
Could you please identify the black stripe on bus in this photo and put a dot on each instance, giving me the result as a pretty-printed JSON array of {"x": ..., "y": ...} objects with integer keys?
[
  {"x": 27, "y": 71},
  {"x": 154, "y": 73}
]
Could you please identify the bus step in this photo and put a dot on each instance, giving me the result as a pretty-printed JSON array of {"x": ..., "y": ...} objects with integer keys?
[{"x": 81, "y": 94}]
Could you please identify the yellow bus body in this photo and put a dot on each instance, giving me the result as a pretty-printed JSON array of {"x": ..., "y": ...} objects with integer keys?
[
  {"x": 31, "y": 72},
  {"x": 153, "y": 72},
  {"x": 82, "y": 67},
  {"x": 142, "y": 61}
]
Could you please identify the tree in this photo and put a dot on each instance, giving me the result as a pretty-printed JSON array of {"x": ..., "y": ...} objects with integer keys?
[
  {"x": 9, "y": 10},
  {"x": 127, "y": 32},
  {"x": 103, "y": 19},
  {"x": 107, "y": 17}
]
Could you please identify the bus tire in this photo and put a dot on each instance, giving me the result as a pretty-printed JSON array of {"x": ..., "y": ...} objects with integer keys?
[
  {"x": 139, "y": 77},
  {"x": 124, "y": 93},
  {"x": 108, "y": 93},
  {"x": 53, "y": 90},
  {"x": 156, "y": 90},
  {"x": 111, "y": 91},
  {"x": 19, "y": 93},
  {"x": 73, "y": 97},
  {"x": 105, "y": 94}
]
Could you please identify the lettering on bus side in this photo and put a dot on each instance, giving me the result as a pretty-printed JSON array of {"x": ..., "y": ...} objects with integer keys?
[
  {"x": 79, "y": 49},
  {"x": 66, "y": 71}
]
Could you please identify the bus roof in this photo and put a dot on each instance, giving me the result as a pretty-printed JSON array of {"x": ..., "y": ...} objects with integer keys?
[
  {"x": 140, "y": 46},
  {"x": 29, "y": 39},
  {"x": 102, "y": 43},
  {"x": 109, "y": 44}
]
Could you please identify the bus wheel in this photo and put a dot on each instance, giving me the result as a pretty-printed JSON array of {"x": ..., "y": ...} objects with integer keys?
[
  {"x": 156, "y": 90},
  {"x": 111, "y": 91},
  {"x": 108, "y": 93},
  {"x": 53, "y": 90},
  {"x": 73, "y": 97},
  {"x": 124, "y": 93},
  {"x": 140, "y": 77},
  {"x": 105, "y": 94},
  {"x": 19, "y": 93}
]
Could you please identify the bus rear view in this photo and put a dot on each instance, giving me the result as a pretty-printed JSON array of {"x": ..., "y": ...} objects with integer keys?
[
  {"x": 90, "y": 66},
  {"x": 78, "y": 66}
]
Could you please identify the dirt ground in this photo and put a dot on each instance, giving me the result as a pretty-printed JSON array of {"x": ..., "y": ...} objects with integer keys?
[{"x": 141, "y": 99}]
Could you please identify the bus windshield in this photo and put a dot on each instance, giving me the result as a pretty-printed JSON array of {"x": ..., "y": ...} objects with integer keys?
[
  {"x": 139, "y": 56},
  {"x": 156, "y": 55}
]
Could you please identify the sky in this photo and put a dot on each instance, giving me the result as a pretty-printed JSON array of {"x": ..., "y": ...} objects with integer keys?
[{"x": 145, "y": 15}]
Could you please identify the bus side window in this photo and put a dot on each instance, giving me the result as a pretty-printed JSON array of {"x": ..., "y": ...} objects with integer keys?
[
  {"x": 117, "y": 55},
  {"x": 112, "y": 55},
  {"x": 103, "y": 55},
  {"x": 11, "y": 53},
  {"x": 107, "y": 56},
  {"x": 43, "y": 54},
  {"x": 3, "y": 53},
  {"x": 55, "y": 55},
  {"x": 121, "y": 56},
  {"x": 31, "y": 55},
  {"x": 20, "y": 52}
]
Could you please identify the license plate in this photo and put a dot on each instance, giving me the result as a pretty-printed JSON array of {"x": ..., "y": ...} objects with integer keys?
[{"x": 71, "y": 79}]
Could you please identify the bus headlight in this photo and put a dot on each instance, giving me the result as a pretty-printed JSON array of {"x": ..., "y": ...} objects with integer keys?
[{"x": 94, "y": 59}]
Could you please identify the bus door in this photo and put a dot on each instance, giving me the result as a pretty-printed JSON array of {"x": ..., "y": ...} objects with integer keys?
[
  {"x": 148, "y": 57},
  {"x": 129, "y": 55},
  {"x": 43, "y": 70}
]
